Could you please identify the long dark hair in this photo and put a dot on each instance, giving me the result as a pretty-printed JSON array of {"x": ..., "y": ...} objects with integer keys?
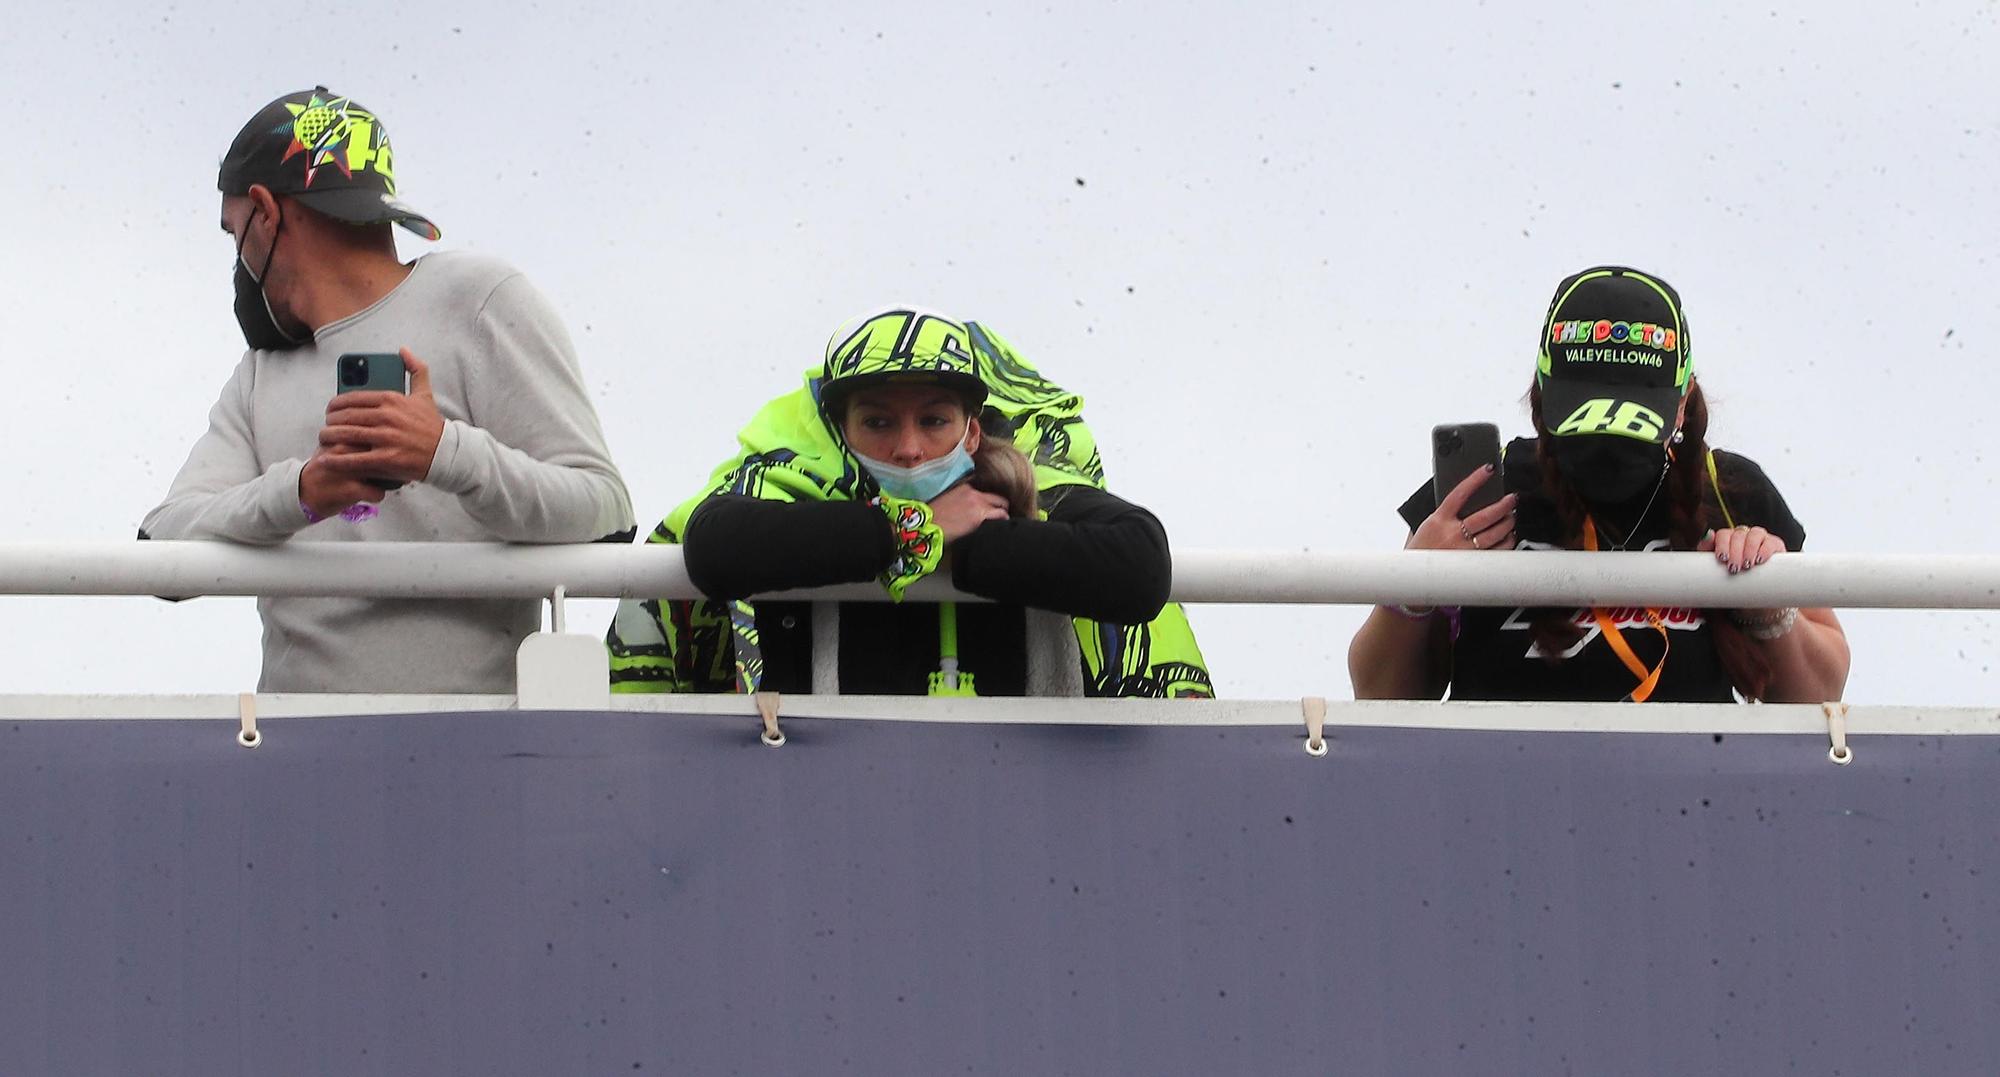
[
  {"x": 1000, "y": 468},
  {"x": 1692, "y": 513}
]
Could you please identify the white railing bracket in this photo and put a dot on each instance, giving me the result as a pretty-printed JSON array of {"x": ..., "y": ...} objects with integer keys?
[{"x": 559, "y": 670}]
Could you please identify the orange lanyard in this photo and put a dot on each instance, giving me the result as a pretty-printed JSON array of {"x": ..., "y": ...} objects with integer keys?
[{"x": 1647, "y": 681}]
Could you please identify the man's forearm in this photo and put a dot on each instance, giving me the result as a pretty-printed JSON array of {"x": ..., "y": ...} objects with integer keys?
[
  {"x": 522, "y": 499},
  {"x": 262, "y": 512}
]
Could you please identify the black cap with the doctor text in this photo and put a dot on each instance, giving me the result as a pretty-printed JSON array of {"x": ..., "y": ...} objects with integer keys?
[{"x": 1614, "y": 356}]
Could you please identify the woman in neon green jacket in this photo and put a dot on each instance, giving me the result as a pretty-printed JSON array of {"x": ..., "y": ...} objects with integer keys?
[{"x": 920, "y": 444}]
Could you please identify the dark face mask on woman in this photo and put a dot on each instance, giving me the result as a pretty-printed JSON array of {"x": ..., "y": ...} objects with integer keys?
[
  {"x": 1610, "y": 470},
  {"x": 253, "y": 309}
]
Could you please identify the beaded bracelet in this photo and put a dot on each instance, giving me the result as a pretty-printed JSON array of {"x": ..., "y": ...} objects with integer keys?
[
  {"x": 1768, "y": 628},
  {"x": 1452, "y": 614}
]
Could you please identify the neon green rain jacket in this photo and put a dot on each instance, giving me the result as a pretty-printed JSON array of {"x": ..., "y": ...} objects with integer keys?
[{"x": 790, "y": 454}]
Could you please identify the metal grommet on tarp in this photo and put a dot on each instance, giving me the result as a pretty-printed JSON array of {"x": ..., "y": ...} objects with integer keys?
[
  {"x": 1836, "y": 732},
  {"x": 1314, "y": 708},
  {"x": 246, "y": 712},
  {"x": 767, "y": 708}
]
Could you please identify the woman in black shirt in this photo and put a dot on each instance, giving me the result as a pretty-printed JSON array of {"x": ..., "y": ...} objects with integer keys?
[{"x": 1619, "y": 462}]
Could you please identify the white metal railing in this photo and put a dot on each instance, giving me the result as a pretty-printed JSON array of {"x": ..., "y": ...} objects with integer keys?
[
  {"x": 482, "y": 570},
  {"x": 469, "y": 570}
]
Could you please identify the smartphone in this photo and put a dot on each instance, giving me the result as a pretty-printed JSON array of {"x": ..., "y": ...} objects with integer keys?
[
  {"x": 1459, "y": 449},
  {"x": 356, "y": 372},
  {"x": 359, "y": 371}
]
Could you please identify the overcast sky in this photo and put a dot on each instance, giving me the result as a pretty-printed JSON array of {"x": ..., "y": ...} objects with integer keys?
[{"x": 1270, "y": 244}]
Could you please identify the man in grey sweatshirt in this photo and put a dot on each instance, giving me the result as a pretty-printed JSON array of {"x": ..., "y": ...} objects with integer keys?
[{"x": 496, "y": 439}]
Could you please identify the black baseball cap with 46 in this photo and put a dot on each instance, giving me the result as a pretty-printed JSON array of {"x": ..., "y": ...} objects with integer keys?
[
  {"x": 326, "y": 151},
  {"x": 1614, "y": 356}
]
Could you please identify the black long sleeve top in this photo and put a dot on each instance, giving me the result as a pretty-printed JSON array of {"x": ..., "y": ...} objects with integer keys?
[{"x": 1096, "y": 556}]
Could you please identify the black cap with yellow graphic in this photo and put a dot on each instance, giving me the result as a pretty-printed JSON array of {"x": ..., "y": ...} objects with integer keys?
[
  {"x": 327, "y": 152},
  {"x": 1614, "y": 357}
]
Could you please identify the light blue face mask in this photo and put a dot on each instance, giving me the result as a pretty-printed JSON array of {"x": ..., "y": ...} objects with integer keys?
[{"x": 924, "y": 481}]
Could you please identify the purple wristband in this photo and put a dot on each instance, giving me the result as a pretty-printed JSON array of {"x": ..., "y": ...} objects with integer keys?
[{"x": 354, "y": 514}]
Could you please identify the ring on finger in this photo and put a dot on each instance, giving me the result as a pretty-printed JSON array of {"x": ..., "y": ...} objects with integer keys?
[{"x": 1475, "y": 542}]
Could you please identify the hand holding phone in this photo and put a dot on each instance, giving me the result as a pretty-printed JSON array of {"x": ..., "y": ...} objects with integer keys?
[
  {"x": 357, "y": 372},
  {"x": 1459, "y": 449},
  {"x": 378, "y": 428},
  {"x": 361, "y": 371},
  {"x": 1473, "y": 510}
]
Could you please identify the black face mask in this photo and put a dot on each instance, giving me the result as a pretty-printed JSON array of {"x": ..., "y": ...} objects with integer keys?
[
  {"x": 1608, "y": 470},
  {"x": 253, "y": 311}
]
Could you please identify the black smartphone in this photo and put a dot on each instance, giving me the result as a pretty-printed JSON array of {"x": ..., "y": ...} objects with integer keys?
[
  {"x": 356, "y": 372},
  {"x": 1459, "y": 449}
]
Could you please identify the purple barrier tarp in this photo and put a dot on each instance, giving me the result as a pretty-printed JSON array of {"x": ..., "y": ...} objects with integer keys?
[{"x": 621, "y": 893}]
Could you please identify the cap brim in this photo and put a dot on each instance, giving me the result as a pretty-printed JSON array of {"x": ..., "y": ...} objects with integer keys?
[
  {"x": 965, "y": 385},
  {"x": 358, "y": 206},
  {"x": 1572, "y": 406}
]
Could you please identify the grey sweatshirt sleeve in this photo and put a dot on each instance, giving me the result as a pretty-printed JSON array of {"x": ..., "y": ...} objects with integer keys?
[
  {"x": 531, "y": 464},
  {"x": 220, "y": 493}
]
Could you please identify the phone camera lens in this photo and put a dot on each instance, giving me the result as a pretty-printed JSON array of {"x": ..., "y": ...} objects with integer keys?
[{"x": 353, "y": 371}]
